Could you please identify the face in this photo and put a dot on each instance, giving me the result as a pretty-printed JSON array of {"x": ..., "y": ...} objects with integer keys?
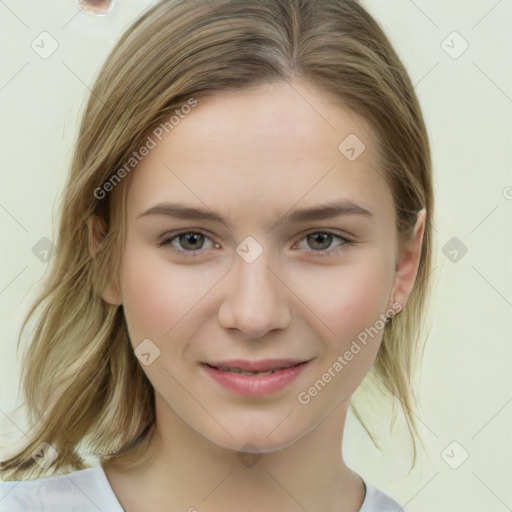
[{"x": 262, "y": 287}]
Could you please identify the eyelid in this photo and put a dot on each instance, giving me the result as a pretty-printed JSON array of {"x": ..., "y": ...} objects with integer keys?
[
  {"x": 166, "y": 239},
  {"x": 170, "y": 235}
]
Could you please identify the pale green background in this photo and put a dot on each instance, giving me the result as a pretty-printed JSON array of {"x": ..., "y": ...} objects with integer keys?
[{"x": 466, "y": 389}]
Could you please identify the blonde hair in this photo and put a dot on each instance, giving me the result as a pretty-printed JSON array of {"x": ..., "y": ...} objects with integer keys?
[{"x": 84, "y": 389}]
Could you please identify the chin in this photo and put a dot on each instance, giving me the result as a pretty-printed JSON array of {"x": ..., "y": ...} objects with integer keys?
[
  {"x": 254, "y": 444},
  {"x": 256, "y": 439}
]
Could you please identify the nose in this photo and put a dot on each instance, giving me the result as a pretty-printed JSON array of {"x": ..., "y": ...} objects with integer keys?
[{"x": 256, "y": 301}]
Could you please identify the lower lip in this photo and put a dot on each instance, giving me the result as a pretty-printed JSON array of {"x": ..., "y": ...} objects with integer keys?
[{"x": 254, "y": 385}]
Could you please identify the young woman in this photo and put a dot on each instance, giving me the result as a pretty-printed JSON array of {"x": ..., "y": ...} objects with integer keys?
[{"x": 245, "y": 236}]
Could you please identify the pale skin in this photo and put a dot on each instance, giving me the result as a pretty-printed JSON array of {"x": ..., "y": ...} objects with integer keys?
[{"x": 253, "y": 156}]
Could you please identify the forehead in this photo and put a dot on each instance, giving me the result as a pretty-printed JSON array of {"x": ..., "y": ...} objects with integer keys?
[{"x": 275, "y": 145}]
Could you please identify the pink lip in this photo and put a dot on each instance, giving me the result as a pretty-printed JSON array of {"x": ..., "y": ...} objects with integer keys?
[
  {"x": 255, "y": 385},
  {"x": 257, "y": 366}
]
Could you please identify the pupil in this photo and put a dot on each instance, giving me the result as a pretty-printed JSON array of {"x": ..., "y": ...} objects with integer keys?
[
  {"x": 324, "y": 236},
  {"x": 192, "y": 238},
  {"x": 318, "y": 238}
]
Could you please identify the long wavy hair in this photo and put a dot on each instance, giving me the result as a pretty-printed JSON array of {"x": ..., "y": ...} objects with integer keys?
[{"x": 84, "y": 390}]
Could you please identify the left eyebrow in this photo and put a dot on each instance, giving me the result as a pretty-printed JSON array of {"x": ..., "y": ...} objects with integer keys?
[{"x": 327, "y": 210}]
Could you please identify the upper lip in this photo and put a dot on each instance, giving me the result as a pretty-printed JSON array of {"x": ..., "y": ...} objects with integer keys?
[{"x": 257, "y": 366}]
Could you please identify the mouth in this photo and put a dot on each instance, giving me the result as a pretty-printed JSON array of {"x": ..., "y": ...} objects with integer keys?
[
  {"x": 255, "y": 378},
  {"x": 265, "y": 367}
]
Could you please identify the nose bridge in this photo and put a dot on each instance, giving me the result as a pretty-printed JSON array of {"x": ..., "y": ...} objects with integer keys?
[
  {"x": 256, "y": 300},
  {"x": 254, "y": 277}
]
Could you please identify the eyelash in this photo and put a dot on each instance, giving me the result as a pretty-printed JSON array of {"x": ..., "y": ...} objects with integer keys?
[{"x": 324, "y": 253}]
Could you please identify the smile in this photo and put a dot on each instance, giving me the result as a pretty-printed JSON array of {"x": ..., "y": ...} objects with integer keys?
[{"x": 257, "y": 378}]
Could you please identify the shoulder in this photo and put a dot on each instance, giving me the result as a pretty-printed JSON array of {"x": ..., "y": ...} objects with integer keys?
[
  {"x": 376, "y": 501},
  {"x": 86, "y": 490}
]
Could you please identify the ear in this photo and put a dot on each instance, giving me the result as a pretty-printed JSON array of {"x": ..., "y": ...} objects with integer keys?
[
  {"x": 97, "y": 232},
  {"x": 408, "y": 262}
]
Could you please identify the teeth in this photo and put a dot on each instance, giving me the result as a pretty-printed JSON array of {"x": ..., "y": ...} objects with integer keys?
[{"x": 243, "y": 372}]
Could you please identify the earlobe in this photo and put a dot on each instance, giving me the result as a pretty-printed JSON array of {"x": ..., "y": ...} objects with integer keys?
[
  {"x": 407, "y": 267},
  {"x": 112, "y": 294},
  {"x": 97, "y": 232}
]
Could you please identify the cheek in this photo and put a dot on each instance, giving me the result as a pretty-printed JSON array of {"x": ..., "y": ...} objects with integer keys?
[
  {"x": 350, "y": 304},
  {"x": 348, "y": 298},
  {"x": 156, "y": 294}
]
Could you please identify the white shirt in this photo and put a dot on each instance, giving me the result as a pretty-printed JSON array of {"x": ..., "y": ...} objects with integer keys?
[{"x": 89, "y": 490}]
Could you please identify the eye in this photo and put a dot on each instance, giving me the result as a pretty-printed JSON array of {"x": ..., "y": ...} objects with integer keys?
[
  {"x": 192, "y": 243},
  {"x": 322, "y": 240}
]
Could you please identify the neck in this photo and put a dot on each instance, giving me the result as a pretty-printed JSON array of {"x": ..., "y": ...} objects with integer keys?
[{"x": 189, "y": 471}]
